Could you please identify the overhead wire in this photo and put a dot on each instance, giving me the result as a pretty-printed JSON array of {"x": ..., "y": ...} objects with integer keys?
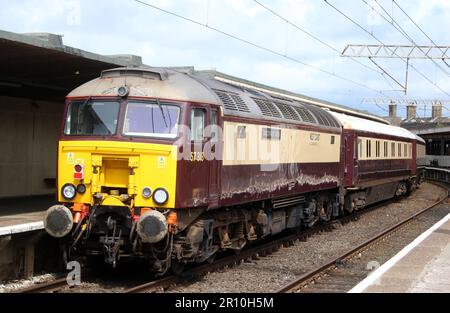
[
  {"x": 267, "y": 8},
  {"x": 423, "y": 32},
  {"x": 248, "y": 42},
  {"x": 377, "y": 39},
  {"x": 400, "y": 29}
]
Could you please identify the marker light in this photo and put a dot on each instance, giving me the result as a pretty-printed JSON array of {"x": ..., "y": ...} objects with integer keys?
[
  {"x": 81, "y": 188},
  {"x": 160, "y": 196},
  {"x": 146, "y": 192},
  {"x": 69, "y": 191}
]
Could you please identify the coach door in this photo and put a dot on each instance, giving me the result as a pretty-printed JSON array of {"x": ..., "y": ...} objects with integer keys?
[{"x": 350, "y": 158}]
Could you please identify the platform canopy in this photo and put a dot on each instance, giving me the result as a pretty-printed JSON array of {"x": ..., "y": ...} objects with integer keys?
[{"x": 41, "y": 67}]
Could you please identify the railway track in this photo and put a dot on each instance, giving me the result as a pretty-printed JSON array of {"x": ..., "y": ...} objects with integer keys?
[
  {"x": 261, "y": 250},
  {"x": 333, "y": 267},
  {"x": 257, "y": 251},
  {"x": 51, "y": 286}
]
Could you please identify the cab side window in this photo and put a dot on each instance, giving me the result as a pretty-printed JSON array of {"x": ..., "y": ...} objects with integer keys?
[{"x": 197, "y": 124}]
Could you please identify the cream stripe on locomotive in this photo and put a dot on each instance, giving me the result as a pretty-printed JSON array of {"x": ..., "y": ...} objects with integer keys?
[
  {"x": 249, "y": 144},
  {"x": 379, "y": 149}
]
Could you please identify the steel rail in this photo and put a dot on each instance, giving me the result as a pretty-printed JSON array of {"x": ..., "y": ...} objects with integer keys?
[
  {"x": 261, "y": 250},
  {"x": 329, "y": 265},
  {"x": 50, "y": 286}
]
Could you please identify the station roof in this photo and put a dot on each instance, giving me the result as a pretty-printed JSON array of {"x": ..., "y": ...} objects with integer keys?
[
  {"x": 40, "y": 66},
  {"x": 428, "y": 125}
]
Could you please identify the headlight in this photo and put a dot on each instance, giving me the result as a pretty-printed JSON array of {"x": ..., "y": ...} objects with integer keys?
[
  {"x": 123, "y": 91},
  {"x": 69, "y": 191},
  {"x": 146, "y": 192},
  {"x": 160, "y": 196}
]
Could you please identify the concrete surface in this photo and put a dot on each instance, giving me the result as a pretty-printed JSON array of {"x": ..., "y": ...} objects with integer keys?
[{"x": 422, "y": 266}]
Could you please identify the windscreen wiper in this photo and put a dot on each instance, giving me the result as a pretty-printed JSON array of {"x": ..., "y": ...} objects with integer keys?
[
  {"x": 162, "y": 112},
  {"x": 81, "y": 106}
]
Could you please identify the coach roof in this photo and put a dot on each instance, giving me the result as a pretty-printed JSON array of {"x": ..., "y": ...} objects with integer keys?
[{"x": 359, "y": 124}]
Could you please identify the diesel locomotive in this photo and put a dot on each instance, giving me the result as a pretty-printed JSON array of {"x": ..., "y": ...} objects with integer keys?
[{"x": 171, "y": 166}]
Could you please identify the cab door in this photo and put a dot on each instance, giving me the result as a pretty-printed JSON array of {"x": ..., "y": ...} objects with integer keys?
[
  {"x": 213, "y": 146},
  {"x": 197, "y": 181}
]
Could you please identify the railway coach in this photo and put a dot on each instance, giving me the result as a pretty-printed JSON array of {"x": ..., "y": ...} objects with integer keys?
[{"x": 172, "y": 167}]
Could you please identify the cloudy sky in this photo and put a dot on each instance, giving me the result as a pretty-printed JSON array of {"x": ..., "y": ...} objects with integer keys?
[{"x": 126, "y": 26}]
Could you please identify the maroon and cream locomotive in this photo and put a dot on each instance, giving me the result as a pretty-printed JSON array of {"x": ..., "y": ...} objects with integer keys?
[{"x": 175, "y": 166}]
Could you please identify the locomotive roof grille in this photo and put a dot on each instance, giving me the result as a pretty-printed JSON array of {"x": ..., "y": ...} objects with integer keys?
[
  {"x": 287, "y": 111},
  {"x": 232, "y": 101},
  {"x": 296, "y": 111},
  {"x": 305, "y": 115},
  {"x": 322, "y": 117},
  {"x": 267, "y": 107}
]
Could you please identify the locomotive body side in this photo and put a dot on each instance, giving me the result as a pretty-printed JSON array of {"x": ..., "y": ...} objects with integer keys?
[{"x": 264, "y": 161}]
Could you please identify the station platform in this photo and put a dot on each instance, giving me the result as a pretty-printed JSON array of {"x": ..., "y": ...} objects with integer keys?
[
  {"x": 421, "y": 267},
  {"x": 22, "y": 215}
]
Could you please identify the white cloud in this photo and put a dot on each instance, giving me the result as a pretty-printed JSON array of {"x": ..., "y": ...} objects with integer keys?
[{"x": 125, "y": 26}]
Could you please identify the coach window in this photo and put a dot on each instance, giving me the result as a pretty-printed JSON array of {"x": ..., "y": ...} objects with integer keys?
[
  {"x": 399, "y": 149},
  {"x": 405, "y": 150},
  {"x": 393, "y": 149},
  {"x": 197, "y": 124},
  {"x": 385, "y": 149}
]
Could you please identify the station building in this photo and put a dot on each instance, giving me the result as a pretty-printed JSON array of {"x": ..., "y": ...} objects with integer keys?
[
  {"x": 434, "y": 129},
  {"x": 36, "y": 73}
]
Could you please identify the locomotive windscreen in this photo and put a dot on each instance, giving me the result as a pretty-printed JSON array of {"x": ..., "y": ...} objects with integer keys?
[
  {"x": 92, "y": 118},
  {"x": 151, "y": 119}
]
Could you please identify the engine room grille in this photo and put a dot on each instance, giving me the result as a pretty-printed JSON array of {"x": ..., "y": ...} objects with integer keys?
[
  {"x": 287, "y": 111},
  {"x": 232, "y": 101},
  {"x": 323, "y": 117},
  {"x": 267, "y": 107},
  {"x": 305, "y": 115}
]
